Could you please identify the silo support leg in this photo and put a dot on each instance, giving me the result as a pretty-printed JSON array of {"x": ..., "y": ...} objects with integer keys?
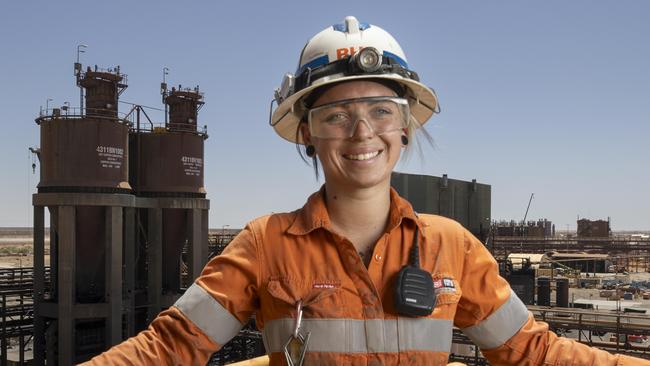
[
  {"x": 66, "y": 282},
  {"x": 39, "y": 284},
  {"x": 113, "y": 267},
  {"x": 154, "y": 260},
  {"x": 196, "y": 250},
  {"x": 130, "y": 254},
  {"x": 205, "y": 228}
]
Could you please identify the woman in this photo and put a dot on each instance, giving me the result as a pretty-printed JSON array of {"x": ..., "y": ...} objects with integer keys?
[{"x": 355, "y": 276}]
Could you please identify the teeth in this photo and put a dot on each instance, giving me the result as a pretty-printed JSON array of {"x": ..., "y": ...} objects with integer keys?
[{"x": 365, "y": 156}]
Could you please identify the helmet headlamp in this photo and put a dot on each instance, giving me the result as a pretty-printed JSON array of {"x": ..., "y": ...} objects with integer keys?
[
  {"x": 370, "y": 62},
  {"x": 368, "y": 59}
]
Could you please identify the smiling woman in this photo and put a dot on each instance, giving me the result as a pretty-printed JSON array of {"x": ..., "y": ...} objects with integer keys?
[
  {"x": 356, "y": 145},
  {"x": 355, "y": 276}
]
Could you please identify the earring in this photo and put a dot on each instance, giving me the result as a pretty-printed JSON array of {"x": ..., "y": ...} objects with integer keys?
[
  {"x": 405, "y": 140},
  {"x": 310, "y": 150}
]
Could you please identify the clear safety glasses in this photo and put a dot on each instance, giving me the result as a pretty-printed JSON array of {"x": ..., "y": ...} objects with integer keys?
[{"x": 339, "y": 120}]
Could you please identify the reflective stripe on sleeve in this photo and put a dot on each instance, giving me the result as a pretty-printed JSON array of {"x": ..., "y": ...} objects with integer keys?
[
  {"x": 500, "y": 326},
  {"x": 362, "y": 336},
  {"x": 208, "y": 314}
]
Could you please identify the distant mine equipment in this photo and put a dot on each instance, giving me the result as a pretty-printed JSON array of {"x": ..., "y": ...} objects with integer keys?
[
  {"x": 466, "y": 202},
  {"x": 541, "y": 228},
  {"x": 128, "y": 216}
]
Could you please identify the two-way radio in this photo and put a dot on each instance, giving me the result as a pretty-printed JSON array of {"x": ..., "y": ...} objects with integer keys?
[{"x": 414, "y": 293}]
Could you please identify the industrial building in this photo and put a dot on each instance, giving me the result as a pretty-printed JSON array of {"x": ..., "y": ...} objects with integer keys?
[
  {"x": 594, "y": 228},
  {"x": 583, "y": 262},
  {"x": 466, "y": 202}
]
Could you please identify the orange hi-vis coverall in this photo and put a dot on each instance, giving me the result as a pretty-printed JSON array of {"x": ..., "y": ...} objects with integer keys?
[{"x": 281, "y": 259}]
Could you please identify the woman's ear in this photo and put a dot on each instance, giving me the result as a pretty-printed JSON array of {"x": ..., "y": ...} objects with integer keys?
[{"x": 304, "y": 133}]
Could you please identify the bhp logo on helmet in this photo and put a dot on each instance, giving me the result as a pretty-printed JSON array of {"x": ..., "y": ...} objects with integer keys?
[{"x": 347, "y": 52}]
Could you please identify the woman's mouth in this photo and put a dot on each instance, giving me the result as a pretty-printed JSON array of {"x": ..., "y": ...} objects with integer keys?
[{"x": 364, "y": 156}]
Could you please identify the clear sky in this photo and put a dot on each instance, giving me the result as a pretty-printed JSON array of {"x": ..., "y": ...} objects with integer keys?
[{"x": 550, "y": 97}]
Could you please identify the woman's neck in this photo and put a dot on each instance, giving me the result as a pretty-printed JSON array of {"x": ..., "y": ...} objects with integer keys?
[{"x": 360, "y": 214}]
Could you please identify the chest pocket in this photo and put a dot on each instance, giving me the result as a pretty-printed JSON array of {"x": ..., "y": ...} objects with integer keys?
[
  {"x": 448, "y": 293},
  {"x": 316, "y": 296}
]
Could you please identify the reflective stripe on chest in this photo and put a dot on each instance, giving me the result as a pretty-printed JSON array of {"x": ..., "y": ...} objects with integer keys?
[{"x": 363, "y": 336}]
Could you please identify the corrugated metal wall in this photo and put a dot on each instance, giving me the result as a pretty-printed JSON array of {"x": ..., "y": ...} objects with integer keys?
[{"x": 467, "y": 202}]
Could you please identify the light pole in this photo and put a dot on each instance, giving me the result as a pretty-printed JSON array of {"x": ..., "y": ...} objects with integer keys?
[
  {"x": 80, "y": 50},
  {"x": 66, "y": 107},
  {"x": 165, "y": 73},
  {"x": 164, "y": 90},
  {"x": 78, "y": 65},
  {"x": 47, "y": 105}
]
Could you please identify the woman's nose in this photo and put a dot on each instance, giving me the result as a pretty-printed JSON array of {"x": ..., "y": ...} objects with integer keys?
[{"x": 362, "y": 129}]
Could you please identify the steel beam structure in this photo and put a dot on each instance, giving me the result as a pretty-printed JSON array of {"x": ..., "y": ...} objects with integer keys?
[
  {"x": 39, "y": 283},
  {"x": 154, "y": 262},
  {"x": 60, "y": 308},
  {"x": 130, "y": 255},
  {"x": 507, "y": 244}
]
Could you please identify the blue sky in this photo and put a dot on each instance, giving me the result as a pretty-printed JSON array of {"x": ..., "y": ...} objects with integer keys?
[{"x": 547, "y": 97}]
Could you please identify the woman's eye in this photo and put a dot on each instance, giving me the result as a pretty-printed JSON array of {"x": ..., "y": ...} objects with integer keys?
[
  {"x": 336, "y": 118},
  {"x": 382, "y": 111}
]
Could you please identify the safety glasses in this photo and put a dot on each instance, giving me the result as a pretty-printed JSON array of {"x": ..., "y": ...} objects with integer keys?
[{"x": 339, "y": 120}]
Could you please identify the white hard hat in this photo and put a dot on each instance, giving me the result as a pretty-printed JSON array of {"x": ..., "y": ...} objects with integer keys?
[{"x": 345, "y": 52}]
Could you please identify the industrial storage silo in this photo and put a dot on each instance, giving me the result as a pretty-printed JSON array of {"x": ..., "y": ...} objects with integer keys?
[
  {"x": 84, "y": 184},
  {"x": 562, "y": 292},
  {"x": 543, "y": 291},
  {"x": 167, "y": 166},
  {"x": 170, "y": 161},
  {"x": 86, "y": 151}
]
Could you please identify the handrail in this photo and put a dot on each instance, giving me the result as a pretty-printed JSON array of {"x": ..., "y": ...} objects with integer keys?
[
  {"x": 114, "y": 71},
  {"x": 129, "y": 119},
  {"x": 50, "y": 114}
]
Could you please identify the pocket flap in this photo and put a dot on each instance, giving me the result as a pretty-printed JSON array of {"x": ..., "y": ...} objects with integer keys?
[{"x": 291, "y": 291}]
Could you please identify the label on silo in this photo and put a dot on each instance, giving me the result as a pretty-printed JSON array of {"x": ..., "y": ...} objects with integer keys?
[
  {"x": 110, "y": 157},
  {"x": 191, "y": 165}
]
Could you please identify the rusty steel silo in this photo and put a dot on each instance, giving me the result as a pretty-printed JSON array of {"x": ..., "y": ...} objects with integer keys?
[
  {"x": 86, "y": 151},
  {"x": 167, "y": 166},
  {"x": 84, "y": 184},
  {"x": 171, "y": 157}
]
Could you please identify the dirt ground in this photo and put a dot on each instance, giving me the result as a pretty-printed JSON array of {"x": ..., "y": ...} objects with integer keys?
[{"x": 16, "y": 250}]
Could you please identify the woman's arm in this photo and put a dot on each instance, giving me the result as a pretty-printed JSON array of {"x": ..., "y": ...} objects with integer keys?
[
  {"x": 498, "y": 322},
  {"x": 207, "y": 316}
]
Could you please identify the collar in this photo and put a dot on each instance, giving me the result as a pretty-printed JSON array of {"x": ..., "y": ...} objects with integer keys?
[{"x": 313, "y": 215}]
